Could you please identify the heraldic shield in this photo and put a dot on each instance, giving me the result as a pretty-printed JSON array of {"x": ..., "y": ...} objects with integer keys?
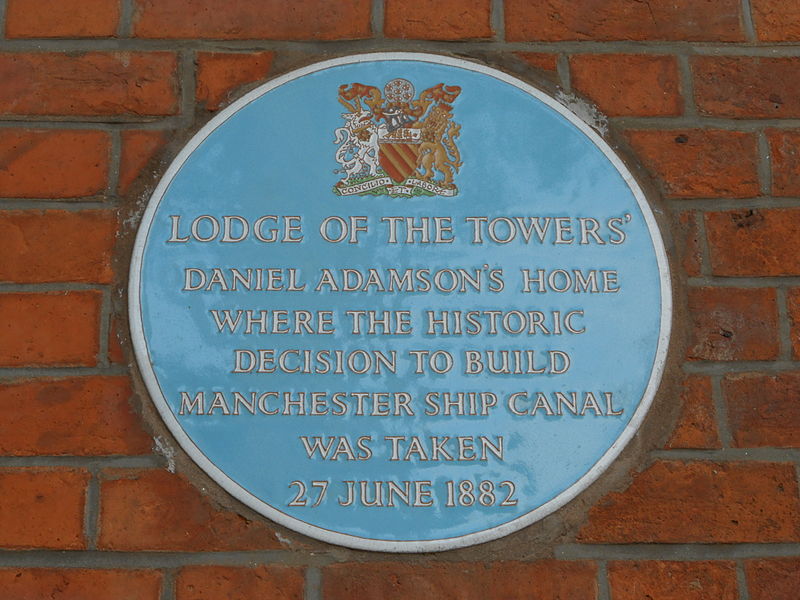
[{"x": 393, "y": 144}]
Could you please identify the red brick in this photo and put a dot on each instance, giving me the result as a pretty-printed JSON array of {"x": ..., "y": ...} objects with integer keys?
[
  {"x": 793, "y": 304},
  {"x": 79, "y": 584},
  {"x": 784, "y": 150},
  {"x": 697, "y": 426},
  {"x": 773, "y": 578},
  {"x": 157, "y": 510},
  {"x": 49, "y": 329},
  {"x": 253, "y": 19},
  {"x": 733, "y": 324},
  {"x": 754, "y": 242},
  {"x": 540, "y": 60},
  {"x": 82, "y": 416},
  {"x": 704, "y": 502},
  {"x": 219, "y": 74},
  {"x": 700, "y": 162},
  {"x": 91, "y": 84},
  {"x": 628, "y": 84},
  {"x": 747, "y": 87},
  {"x": 680, "y": 20},
  {"x": 438, "y": 19},
  {"x": 56, "y": 245},
  {"x": 52, "y": 163},
  {"x": 544, "y": 580},
  {"x": 236, "y": 583},
  {"x": 138, "y": 148},
  {"x": 763, "y": 410},
  {"x": 61, "y": 18},
  {"x": 687, "y": 237},
  {"x": 671, "y": 580},
  {"x": 776, "y": 20},
  {"x": 42, "y": 508}
]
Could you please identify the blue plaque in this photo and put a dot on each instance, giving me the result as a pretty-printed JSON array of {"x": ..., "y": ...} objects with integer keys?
[{"x": 400, "y": 302}]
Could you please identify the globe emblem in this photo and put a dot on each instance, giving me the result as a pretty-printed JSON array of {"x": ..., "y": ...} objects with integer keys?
[{"x": 399, "y": 90}]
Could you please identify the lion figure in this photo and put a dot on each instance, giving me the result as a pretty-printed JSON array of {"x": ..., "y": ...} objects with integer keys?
[{"x": 438, "y": 150}]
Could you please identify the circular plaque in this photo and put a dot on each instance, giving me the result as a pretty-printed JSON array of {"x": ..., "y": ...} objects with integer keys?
[{"x": 400, "y": 302}]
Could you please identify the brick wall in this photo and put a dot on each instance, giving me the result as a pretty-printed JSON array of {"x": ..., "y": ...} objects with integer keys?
[{"x": 96, "y": 96}]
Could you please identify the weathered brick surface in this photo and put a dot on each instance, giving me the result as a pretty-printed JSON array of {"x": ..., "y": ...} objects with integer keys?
[
  {"x": 700, "y": 162},
  {"x": 707, "y": 502},
  {"x": 219, "y": 74},
  {"x": 157, "y": 510},
  {"x": 672, "y": 580},
  {"x": 776, "y": 20},
  {"x": 52, "y": 163},
  {"x": 79, "y": 584},
  {"x": 57, "y": 245},
  {"x": 540, "y": 60},
  {"x": 793, "y": 305},
  {"x": 754, "y": 242},
  {"x": 763, "y": 410},
  {"x": 629, "y": 84},
  {"x": 733, "y": 324},
  {"x": 543, "y": 580},
  {"x": 438, "y": 19},
  {"x": 243, "y": 19},
  {"x": 231, "y": 583},
  {"x": 747, "y": 87},
  {"x": 42, "y": 508},
  {"x": 773, "y": 578},
  {"x": 81, "y": 415},
  {"x": 61, "y": 18},
  {"x": 138, "y": 147},
  {"x": 95, "y": 83},
  {"x": 116, "y": 355},
  {"x": 688, "y": 240},
  {"x": 49, "y": 329},
  {"x": 784, "y": 153},
  {"x": 697, "y": 426},
  {"x": 555, "y": 20}
]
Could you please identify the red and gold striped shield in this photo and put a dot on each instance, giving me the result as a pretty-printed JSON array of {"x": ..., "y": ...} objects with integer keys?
[{"x": 399, "y": 159}]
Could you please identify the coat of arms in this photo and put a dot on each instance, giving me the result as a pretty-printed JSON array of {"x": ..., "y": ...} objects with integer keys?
[{"x": 395, "y": 144}]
